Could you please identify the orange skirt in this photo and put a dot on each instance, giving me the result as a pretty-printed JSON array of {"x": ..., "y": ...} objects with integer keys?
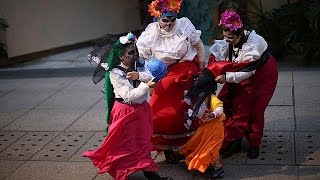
[{"x": 202, "y": 149}]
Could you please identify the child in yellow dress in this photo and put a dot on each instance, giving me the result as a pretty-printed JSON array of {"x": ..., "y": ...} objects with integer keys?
[{"x": 201, "y": 152}]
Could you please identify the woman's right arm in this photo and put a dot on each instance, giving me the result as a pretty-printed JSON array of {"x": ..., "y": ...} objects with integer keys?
[
  {"x": 126, "y": 91},
  {"x": 146, "y": 39},
  {"x": 200, "y": 53},
  {"x": 223, "y": 71}
]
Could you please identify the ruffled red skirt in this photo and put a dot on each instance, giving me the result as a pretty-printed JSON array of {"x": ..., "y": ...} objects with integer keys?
[
  {"x": 127, "y": 147},
  {"x": 169, "y": 108}
]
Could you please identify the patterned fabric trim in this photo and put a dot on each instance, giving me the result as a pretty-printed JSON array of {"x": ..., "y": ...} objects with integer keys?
[{"x": 175, "y": 136}]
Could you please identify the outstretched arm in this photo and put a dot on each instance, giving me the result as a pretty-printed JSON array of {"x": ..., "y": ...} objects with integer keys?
[{"x": 201, "y": 53}]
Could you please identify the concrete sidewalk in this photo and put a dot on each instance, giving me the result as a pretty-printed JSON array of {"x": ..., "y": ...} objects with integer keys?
[{"x": 48, "y": 120}]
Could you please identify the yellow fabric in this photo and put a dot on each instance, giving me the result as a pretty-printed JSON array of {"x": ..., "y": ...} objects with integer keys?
[{"x": 203, "y": 148}]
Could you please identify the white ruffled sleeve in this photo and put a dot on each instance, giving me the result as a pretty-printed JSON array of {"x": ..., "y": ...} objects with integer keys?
[
  {"x": 123, "y": 88},
  {"x": 147, "y": 39},
  {"x": 188, "y": 30},
  {"x": 219, "y": 50},
  {"x": 236, "y": 77},
  {"x": 253, "y": 48},
  {"x": 251, "y": 51}
]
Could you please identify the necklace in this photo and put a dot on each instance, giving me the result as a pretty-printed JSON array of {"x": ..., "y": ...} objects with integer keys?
[{"x": 235, "y": 52}]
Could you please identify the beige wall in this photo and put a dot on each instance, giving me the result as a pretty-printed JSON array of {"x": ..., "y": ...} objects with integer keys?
[{"x": 37, "y": 25}]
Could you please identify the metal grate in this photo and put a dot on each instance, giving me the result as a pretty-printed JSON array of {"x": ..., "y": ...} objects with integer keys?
[
  {"x": 63, "y": 146},
  {"x": 7, "y": 138},
  {"x": 92, "y": 144},
  {"x": 308, "y": 148},
  {"x": 276, "y": 148},
  {"x": 28, "y": 145}
]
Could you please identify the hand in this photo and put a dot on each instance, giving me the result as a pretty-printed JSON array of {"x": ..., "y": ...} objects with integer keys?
[
  {"x": 205, "y": 117},
  {"x": 221, "y": 79},
  {"x": 212, "y": 115},
  {"x": 133, "y": 75},
  {"x": 151, "y": 84},
  {"x": 208, "y": 116}
]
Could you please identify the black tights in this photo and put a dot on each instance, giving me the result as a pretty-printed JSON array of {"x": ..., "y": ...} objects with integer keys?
[{"x": 145, "y": 175}]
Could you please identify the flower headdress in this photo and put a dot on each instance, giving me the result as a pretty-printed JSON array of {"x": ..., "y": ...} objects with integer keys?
[
  {"x": 129, "y": 38},
  {"x": 159, "y": 7},
  {"x": 230, "y": 19}
]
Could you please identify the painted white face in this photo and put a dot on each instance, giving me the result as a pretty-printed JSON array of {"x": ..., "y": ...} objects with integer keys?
[
  {"x": 167, "y": 23},
  {"x": 130, "y": 55},
  {"x": 231, "y": 38}
]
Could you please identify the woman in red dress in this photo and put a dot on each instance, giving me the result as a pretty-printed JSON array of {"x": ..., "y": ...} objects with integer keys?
[
  {"x": 177, "y": 43},
  {"x": 127, "y": 146},
  {"x": 246, "y": 93}
]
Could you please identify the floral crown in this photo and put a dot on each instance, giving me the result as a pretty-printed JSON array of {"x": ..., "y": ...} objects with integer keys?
[
  {"x": 230, "y": 19},
  {"x": 129, "y": 38},
  {"x": 158, "y": 7}
]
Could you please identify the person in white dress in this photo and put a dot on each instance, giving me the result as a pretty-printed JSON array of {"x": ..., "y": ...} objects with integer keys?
[{"x": 177, "y": 43}]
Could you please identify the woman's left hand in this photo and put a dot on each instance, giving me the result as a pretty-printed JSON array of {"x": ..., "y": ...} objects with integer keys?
[
  {"x": 221, "y": 79},
  {"x": 208, "y": 117},
  {"x": 133, "y": 75}
]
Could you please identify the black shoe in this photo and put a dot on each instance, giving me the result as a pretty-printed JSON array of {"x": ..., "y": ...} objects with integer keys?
[
  {"x": 138, "y": 175},
  {"x": 253, "y": 153},
  {"x": 234, "y": 148},
  {"x": 178, "y": 156},
  {"x": 171, "y": 157},
  {"x": 215, "y": 173}
]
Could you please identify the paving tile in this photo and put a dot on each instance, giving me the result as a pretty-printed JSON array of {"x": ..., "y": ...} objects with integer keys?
[
  {"x": 23, "y": 100},
  {"x": 72, "y": 54},
  {"x": 7, "y": 138},
  {"x": 45, "y": 120},
  {"x": 32, "y": 93},
  {"x": 53, "y": 83},
  {"x": 309, "y": 172},
  {"x": 85, "y": 84},
  {"x": 27, "y": 146},
  {"x": 306, "y": 78},
  {"x": 282, "y": 96},
  {"x": 94, "y": 142},
  {"x": 259, "y": 172},
  {"x": 307, "y": 148},
  {"x": 7, "y": 85},
  {"x": 276, "y": 148},
  {"x": 104, "y": 176},
  {"x": 39, "y": 170},
  {"x": 239, "y": 158},
  {"x": 8, "y": 116},
  {"x": 71, "y": 99},
  {"x": 38, "y": 64},
  {"x": 306, "y": 95},
  {"x": 176, "y": 171},
  {"x": 285, "y": 79},
  {"x": 308, "y": 118},
  {"x": 63, "y": 146},
  {"x": 93, "y": 120},
  {"x": 279, "y": 118},
  {"x": 7, "y": 167}
]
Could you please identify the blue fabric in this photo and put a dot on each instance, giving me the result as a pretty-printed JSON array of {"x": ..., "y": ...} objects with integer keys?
[
  {"x": 169, "y": 14},
  {"x": 155, "y": 19},
  {"x": 157, "y": 69}
]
